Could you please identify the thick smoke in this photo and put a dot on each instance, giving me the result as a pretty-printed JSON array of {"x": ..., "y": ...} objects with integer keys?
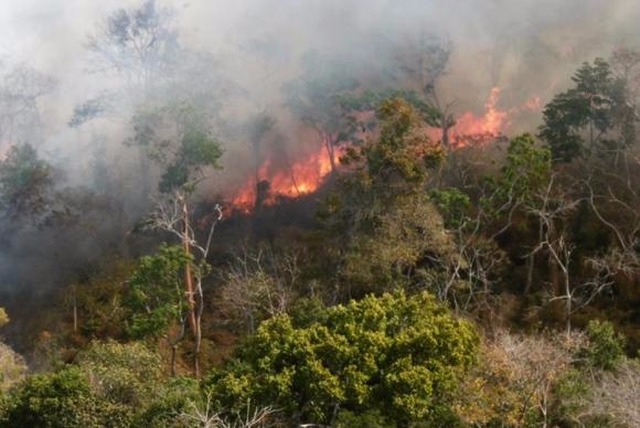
[{"x": 249, "y": 50}]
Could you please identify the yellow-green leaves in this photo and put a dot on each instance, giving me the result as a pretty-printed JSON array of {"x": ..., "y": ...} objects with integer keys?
[{"x": 398, "y": 354}]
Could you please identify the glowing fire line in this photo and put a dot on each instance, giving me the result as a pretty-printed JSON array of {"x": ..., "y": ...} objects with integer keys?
[{"x": 305, "y": 176}]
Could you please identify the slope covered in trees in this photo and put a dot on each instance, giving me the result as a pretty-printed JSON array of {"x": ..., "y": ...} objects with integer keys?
[{"x": 431, "y": 277}]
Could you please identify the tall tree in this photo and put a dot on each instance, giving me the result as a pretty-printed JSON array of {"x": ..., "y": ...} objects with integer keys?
[
  {"x": 594, "y": 117},
  {"x": 185, "y": 165},
  {"x": 382, "y": 213},
  {"x": 21, "y": 89},
  {"x": 139, "y": 43},
  {"x": 315, "y": 98}
]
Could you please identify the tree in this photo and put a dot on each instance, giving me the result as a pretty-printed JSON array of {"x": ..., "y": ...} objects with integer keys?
[
  {"x": 124, "y": 374},
  {"x": 422, "y": 62},
  {"x": 21, "y": 89},
  {"x": 61, "y": 400},
  {"x": 315, "y": 97},
  {"x": 184, "y": 168},
  {"x": 513, "y": 383},
  {"x": 261, "y": 284},
  {"x": 613, "y": 396},
  {"x": 387, "y": 225},
  {"x": 12, "y": 366},
  {"x": 399, "y": 354},
  {"x": 26, "y": 185},
  {"x": 157, "y": 300},
  {"x": 139, "y": 43},
  {"x": 605, "y": 348},
  {"x": 594, "y": 117}
]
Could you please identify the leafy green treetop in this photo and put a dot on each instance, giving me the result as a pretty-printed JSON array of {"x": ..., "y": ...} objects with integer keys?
[
  {"x": 398, "y": 354},
  {"x": 594, "y": 116}
]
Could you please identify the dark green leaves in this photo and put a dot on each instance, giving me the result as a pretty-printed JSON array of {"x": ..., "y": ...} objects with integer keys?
[
  {"x": 594, "y": 115},
  {"x": 156, "y": 297}
]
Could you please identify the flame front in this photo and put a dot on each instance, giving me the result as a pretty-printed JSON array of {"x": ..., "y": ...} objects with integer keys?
[
  {"x": 307, "y": 174},
  {"x": 298, "y": 179},
  {"x": 492, "y": 123}
]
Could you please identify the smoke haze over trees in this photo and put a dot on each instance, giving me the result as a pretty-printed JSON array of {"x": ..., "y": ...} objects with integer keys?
[{"x": 253, "y": 198}]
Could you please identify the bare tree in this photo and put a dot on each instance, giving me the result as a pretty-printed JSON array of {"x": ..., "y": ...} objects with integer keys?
[
  {"x": 204, "y": 416},
  {"x": 555, "y": 207},
  {"x": 21, "y": 89},
  {"x": 261, "y": 284},
  {"x": 615, "y": 395},
  {"x": 515, "y": 378}
]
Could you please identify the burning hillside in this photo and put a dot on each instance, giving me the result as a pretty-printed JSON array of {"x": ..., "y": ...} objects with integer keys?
[{"x": 305, "y": 175}]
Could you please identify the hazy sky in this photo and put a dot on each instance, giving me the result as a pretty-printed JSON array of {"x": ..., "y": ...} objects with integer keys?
[{"x": 527, "y": 47}]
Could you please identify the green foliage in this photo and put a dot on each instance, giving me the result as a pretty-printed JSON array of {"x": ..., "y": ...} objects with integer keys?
[
  {"x": 127, "y": 374},
  {"x": 164, "y": 411},
  {"x": 371, "y": 419},
  {"x": 88, "y": 110},
  {"x": 406, "y": 234},
  {"x": 396, "y": 354},
  {"x": 12, "y": 368},
  {"x": 592, "y": 115},
  {"x": 156, "y": 297},
  {"x": 62, "y": 399},
  {"x": 453, "y": 204},
  {"x": 26, "y": 184},
  {"x": 373, "y": 100},
  {"x": 382, "y": 208},
  {"x": 4, "y": 318},
  {"x": 177, "y": 137},
  {"x": 522, "y": 179},
  {"x": 198, "y": 150},
  {"x": 98, "y": 300},
  {"x": 606, "y": 348},
  {"x": 403, "y": 154}
]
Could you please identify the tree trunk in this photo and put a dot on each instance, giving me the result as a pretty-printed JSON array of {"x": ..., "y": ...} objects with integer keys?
[
  {"x": 330, "y": 146},
  {"x": 188, "y": 278},
  {"x": 189, "y": 289},
  {"x": 75, "y": 309},
  {"x": 174, "y": 349}
]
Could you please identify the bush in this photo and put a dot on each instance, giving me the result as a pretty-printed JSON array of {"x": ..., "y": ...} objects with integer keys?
[{"x": 62, "y": 399}]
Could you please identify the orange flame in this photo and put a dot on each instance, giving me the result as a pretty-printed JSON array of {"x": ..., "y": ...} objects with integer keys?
[
  {"x": 305, "y": 176},
  {"x": 491, "y": 124},
  {"x": 301, "y": 178}
]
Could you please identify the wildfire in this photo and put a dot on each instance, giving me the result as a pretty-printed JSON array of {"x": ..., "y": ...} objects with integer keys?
[
  {"x": 492, "y": 123},
  {"x": 304, "y": 176},
  {"x": 298, "y": 179}
]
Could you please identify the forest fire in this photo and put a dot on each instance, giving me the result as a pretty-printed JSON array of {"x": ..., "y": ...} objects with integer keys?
[
  {"x": 292, "y": 181},
  {"x": 305, "y": 175},
  {"x": 470, "y": 128},
  {"x": 491, "y": 124}
]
